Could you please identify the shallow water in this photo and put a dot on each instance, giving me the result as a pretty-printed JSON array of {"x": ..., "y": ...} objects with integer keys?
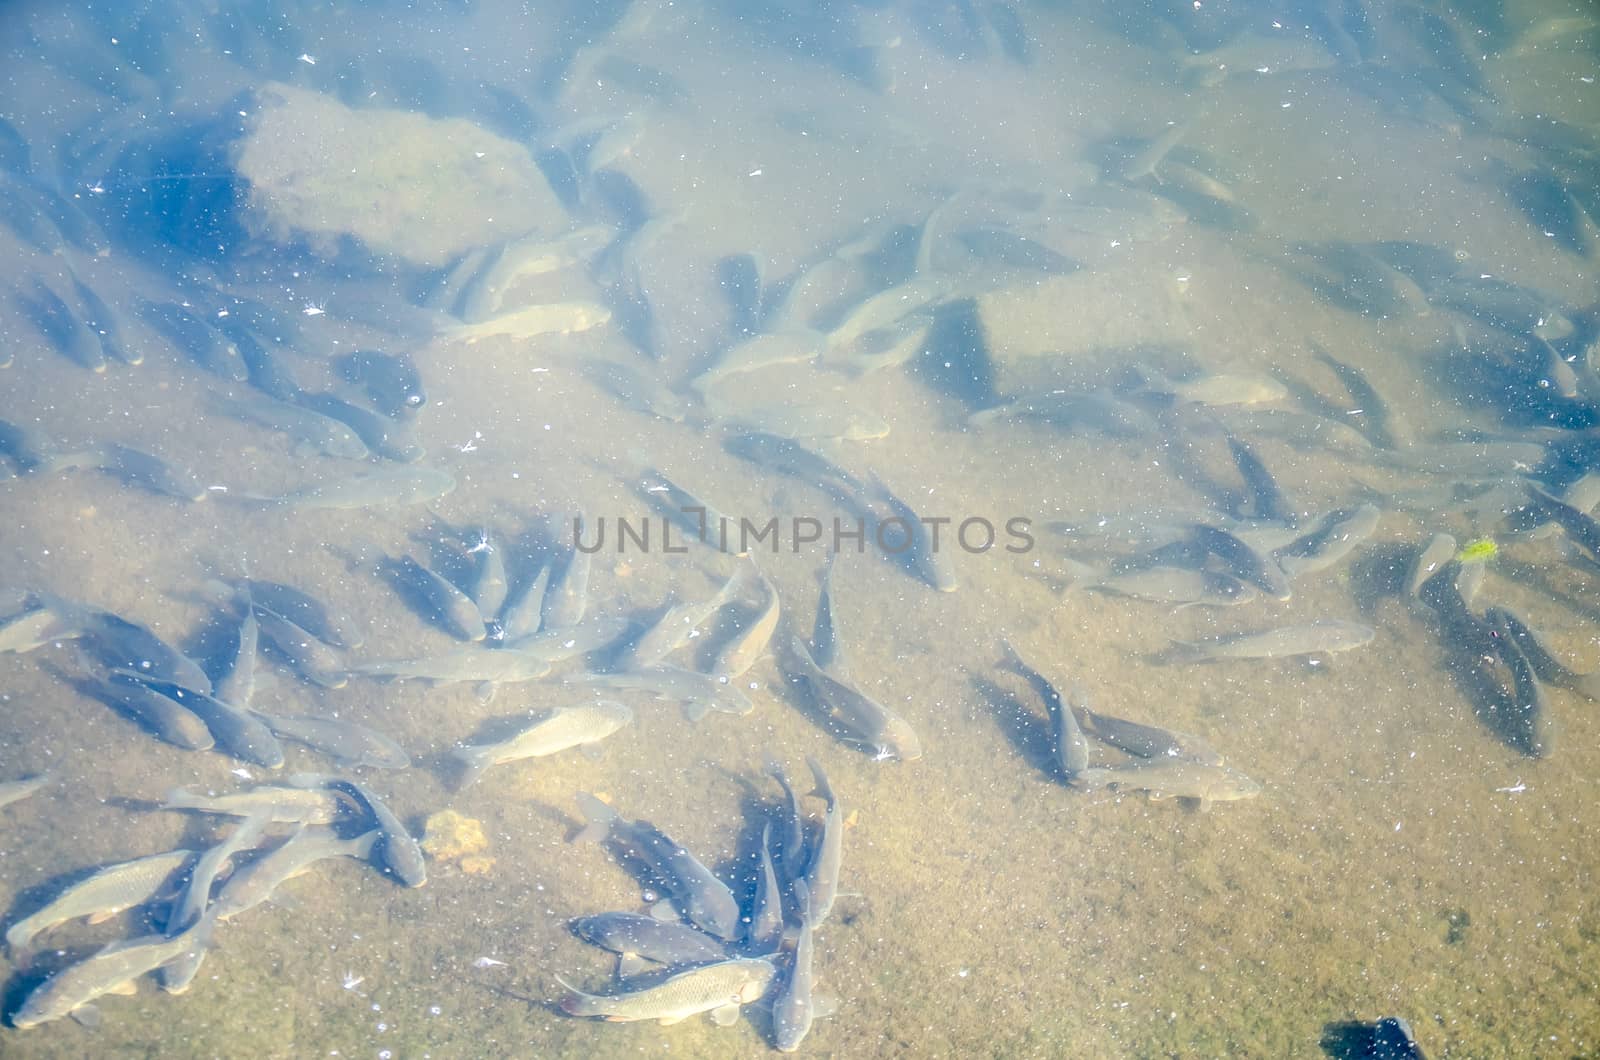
[{"x": 1402, "y": 859}]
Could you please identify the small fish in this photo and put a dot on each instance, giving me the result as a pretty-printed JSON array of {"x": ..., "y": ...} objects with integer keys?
[
  {"x": 345, "y": 741},
  {"x": 554, "y": 318},
  {"x": 279, "y": 805},
  {"x": 568, "y": 597},
  {"x": 521, "y": 615},
  {"x": 112, "y": 970},
  {"x": 1140, "y": 740},
  {"x": 1311, "y": 638},
  {"x": 822, "y": 871},
  {"x": 254, "y": 883},
  {"x": 1581, "y": 527},
  {"x": 506, "y": 665},
  {"x": 102, "y": 895},
  {"x": 448, "y": 605},
  {"x": 1072, "y": 750},
  {"x": 1531, "y": 726},
  {"x": 764, "y": 926},
  {"x": 392, "y": 381},
  {"x": 1430, "y": 559},
  {"x": 325, "y": 434},
  {"x": 700, "y": 520},
  {"x": 631, "y": 934},
  {"x": 1174, "y": 778},
  {"x": 397, "y": 849},
  {"x": 191, "y": 904},
  {"x": 123, "y": 645},
  {"x": 136, "y": 467},
  {"x": 870, "y": 722},
  {"x": 1330, "y": 540},
  {"x": 385, "y": 437},
  {"x": 389, "y": 486},
  {"x": 236, "y": 731},
  {"x": 750, "y": 642},
  {"x": 489, "y": 584},
  {"x": 826, "y": 646},
  {"x": 792, "y": 851},
  {"x": 1546, "y": 665},
  {"x": 699, "y": 693},
  {"x": 1376, "y": 420},
  {"x": 162, "y": 715},
  {"x": 705, "y": 900},
  {"x": 1242, "y": 560},
  {"x": 204, "y": 344},
  {"x": 1268, "y": 501},
  {"x": 237, "y": 687},
  {"x": 715, "y": 988},
  {"x": 32, "y": 630},
  {"x": 16, "y": 790},
  {"x": 549, "y": 733},
  {"x": 792, "y": 1010},
  {"x": 788, "y": 346},
  {"x": 676, "y": 626},
  {"x": 304, "y": 610},
  {"x": 1176, "y": 585},
  {"x": 309, "y": 656}
]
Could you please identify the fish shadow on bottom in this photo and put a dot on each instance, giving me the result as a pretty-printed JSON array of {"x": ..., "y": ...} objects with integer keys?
[
  {"x": 1466, "y": 650},
  {"x": 1378, "y": 573},
  {"x": 1026, "y": 731}
]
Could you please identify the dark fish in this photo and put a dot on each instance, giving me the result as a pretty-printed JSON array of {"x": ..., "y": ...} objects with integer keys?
[
  {"x": 764, "y": 926},
  {"x": 1072, "y": 750},
  {"x": 138, "y": 468},
  {"x": 1531, "y": 726},
  {"x": 661, "y": 941},
  {"x": 1581, "y": 527},
  {"x": 202, "y": 343},
  {"x": 791, "y": 850},
  {"x": 122, "y": 645},
  {"x": 788, "y": 457},
  {"x": 379, "y": 433},
  {"x": 1267, "y": 499},
  {"x": 1333, "y": 537},
  {"x": 871, "y": 723},
  {"x": 568, "y": 596},
  {"x": 310, "y": 657},
  {"x": 1549, "y": 669},
  {"x": 391, "y": 380},
  {"x": 61, "y": 326},
  {"x": 827, "y": 856},
  {"x": 1375, "y": 418},
  {"x": 705, "y": 900},
  {"x": 1243, "y": 561},
  {"x": 825, "y": 643},
  {"x": 444, "y": 603},
  {"x": 238, "y": 732},
  {"x": 168, "y": 719},
  {"x": 305, "y": 611}
]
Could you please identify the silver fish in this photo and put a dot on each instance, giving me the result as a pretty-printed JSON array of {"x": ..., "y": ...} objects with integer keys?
[
  {"x": 822, "y": 869},
  {"x": 793, "y": 1011},
  {"x": 388, "y": 486},
  {"x": 16, "y": 790},
  {"x": 1311, "y": 638},
  {"x": 102, "y": 895},
  {"x": 1333, "y": 538},
  {"x": 344, "y": 741},
  {"x": 715, "y": 988},
  {"x": 112, "y": 970},
  {"x": 699, "y": 693},
  {"x": 237, "y": 731},
  {"x": 304, "y": 610},
  {"x": 750, "y": 642},
  {"x": 552, "y": 732},
  {"x": 254, "y": 883},
  {"x": 1174, "y": 778},
  {"x": 1072, "y": 750},
  {"x": 307, "y": 426},
  {"x": 764, "y": 926},
  {"x": 278, "y": 804},
  {"x": 162, "y": 715},
  {"x": 396, "y": 848}
]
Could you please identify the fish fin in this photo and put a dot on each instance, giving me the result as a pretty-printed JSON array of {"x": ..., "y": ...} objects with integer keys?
[
  {"x": 472, "y": 766},
  {"x": 128, "y": 989},
  {"x": 695, "y": 709},
  {"x": 486, "y": 692},
  {"x": 592, "y": 751},
  {"x": 600, "y": 817},
  {"x": 1203, "y": 805},
  {"x": 725, "y": 1015},
  {"x": 631, "y": 964},
  {"x": 665, "y": 1021},
  {"x": 101, "y": 916},
  {"x": 824, "y": 1005},
  {"x": 86, "y": 1015},
  {"x": 665, "y": 911}
]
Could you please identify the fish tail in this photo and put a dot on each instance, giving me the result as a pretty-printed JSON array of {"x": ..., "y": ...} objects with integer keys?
[
  {"x": 823, "y": 790},
  {"x": 473, "y": 761}
]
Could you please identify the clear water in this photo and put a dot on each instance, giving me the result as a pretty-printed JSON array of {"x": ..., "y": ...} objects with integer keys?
[{"x": 1402, "y": 859}]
